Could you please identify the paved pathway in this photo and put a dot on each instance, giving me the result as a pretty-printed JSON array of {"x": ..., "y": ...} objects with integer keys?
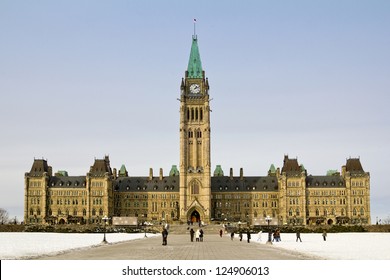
[{"x": 180, "y": 248}]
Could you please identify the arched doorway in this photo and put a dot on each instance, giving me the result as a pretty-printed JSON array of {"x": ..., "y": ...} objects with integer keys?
[
  {"x": 330, "y": 222},
  {"x": 195, "y": 217}
]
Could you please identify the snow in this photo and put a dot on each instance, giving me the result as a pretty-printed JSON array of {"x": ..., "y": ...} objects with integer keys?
[
  {"x": 338, "y": 246},
  {"x": 23, "y": 245}
]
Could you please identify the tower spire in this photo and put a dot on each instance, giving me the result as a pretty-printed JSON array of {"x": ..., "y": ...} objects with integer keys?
[{"x": 194, "y": 68}]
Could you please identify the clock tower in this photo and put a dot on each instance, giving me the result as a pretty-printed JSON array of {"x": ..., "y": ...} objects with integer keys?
[{"x": 195, "y": 171}]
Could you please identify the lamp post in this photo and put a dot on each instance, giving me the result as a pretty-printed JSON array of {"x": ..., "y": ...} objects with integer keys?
[
  {"x": 105, "y": 219},
  {"x": 268, "y": 219}
]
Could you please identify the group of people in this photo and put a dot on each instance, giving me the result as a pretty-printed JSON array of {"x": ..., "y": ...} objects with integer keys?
[
  {"x": 198, "y": 234},
  {"x": 276, "y": 236}
]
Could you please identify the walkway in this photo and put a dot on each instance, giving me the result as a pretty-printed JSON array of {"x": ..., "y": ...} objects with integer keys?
[{"x": 180, "y": 248}]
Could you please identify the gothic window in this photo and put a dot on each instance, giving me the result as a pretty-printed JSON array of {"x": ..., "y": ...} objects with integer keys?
[
  {"x": 196, "y": 114},
  {"x": 101, "y": 212},
  {"x": 75, "y": 212},
  {"x": 39, "y": 212},
  {"x": 201, "y": 114},
  {"x": 84, "y": 212},
  {"x": 342, "y": 212},
  {"x": 192, "y": 114},
  {"x": 194, "y": 187},
  {"x": 188, "y": 114},
  {"x": 317, "y": 212},
  {"x": 354, "y": 212},
  {"x": 290, "y": 212},
  {"x": 297, "y": 212},
  {"x": 361, "y": 211},
  {"x": 93, "y": 212}
]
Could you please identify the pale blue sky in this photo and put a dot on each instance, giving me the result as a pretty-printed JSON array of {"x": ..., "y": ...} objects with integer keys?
[{"x": 81, "y": 79}]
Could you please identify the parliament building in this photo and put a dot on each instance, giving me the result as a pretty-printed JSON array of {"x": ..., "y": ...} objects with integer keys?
[{"x": 286, "y": 195}]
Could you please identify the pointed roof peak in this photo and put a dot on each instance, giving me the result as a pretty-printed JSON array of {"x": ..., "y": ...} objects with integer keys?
[{"x": 194, "y": 68}]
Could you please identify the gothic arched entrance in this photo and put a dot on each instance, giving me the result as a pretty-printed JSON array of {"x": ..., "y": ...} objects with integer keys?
[{"x": 195, "y": 217}]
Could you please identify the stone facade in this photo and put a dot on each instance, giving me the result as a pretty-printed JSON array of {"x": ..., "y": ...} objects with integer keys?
[{"x": 287, "y": 195}]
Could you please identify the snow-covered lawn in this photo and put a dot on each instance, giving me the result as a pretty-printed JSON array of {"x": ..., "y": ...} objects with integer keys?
[
  {"x": 343, "y": 246},
  {"x": 21, "y": 245},
  {"x": 340, "y": 246}
]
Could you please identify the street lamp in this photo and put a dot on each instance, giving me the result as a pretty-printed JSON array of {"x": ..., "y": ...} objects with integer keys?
[
  {"x": 105, "y": 219},
  {"x": 268, "y": 219}
]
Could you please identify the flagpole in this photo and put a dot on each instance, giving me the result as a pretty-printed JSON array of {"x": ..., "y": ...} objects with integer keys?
[{"x": 194, "y": 27}]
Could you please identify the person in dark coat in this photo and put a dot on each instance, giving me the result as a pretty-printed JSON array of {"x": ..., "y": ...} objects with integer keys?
[
  {"x": 220, "y": 232},
  {"x": 232, "y": 235},
  {"x": 248, "y": 235},
  {"x": 201, "y": 235},
  {"x": 164, "y": 236},
  {"x": 192, "y": 233},
  {"x": 298, "y": 236},
  {"x": 240, "y": 235}
]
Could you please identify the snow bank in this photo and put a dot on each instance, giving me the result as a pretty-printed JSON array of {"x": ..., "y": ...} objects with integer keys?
[{"x": 18, "y": 245}]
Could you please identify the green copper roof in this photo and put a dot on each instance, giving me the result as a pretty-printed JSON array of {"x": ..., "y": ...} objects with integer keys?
[
  {"x": 194, "y": 64},
  {"x": 123, "y": 171},
  {"x": 218, "y": 171},
  {"x": 174, "y": 171},
  {"x": 272, "y": 169}
]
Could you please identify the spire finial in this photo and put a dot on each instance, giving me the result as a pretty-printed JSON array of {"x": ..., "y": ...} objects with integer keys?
[{"x": 194, "y": 27}]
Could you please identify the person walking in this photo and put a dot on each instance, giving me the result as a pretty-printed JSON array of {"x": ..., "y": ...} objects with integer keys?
[
  {"x": 232, "y": 235},
  {"x": 240, "y": 235},
  {"x": 192, "y": 233},
  {"x": 164, "y": 236},
  {"x": 248, "y": 236},
  {"x": 201, "y": 235},
  {"x": 259, "y": 236},
  {"x": 197, "y": 234},
  {"x": 298, "y": 236},
  {"x": 324, "y": 234},
  {"x": 220, "y": 232}
]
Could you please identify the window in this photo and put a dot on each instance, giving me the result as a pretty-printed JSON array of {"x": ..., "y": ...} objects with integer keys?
[{"x": 194, "y": 187}]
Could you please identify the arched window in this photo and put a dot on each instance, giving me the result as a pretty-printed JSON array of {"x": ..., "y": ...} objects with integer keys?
[
  {"x": 361, "y": 211},
  {"x": 84, "y": 212},
  {"x": 354, "y": 212},
  {"x": 194, "y": 187},
  {"x": 317, "y": 212},
  {"x": 201, "y": 114},
  {"x": 93, "y": 212},
  {"x": 101, "y": 212},
  {"x": 290, "y": 212},
  {"x": 297, "y": 212}
]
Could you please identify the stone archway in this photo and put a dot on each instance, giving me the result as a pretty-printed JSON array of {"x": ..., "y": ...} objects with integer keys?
[
  {"x": 195, "y": 216},
  {"x": 330, "y": 222}
]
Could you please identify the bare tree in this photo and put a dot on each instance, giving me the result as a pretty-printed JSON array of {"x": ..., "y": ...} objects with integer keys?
[
  {"x": 3, "y": 216},
  {"x": 386, "y": 221}
]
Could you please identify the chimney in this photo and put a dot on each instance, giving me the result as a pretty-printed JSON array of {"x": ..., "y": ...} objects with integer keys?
[
  {"x": 231, "y": 173},
  {"x": 161, "y": 173},
  {"x": 241, "y": 173},
  {"x": 150, "y": 174}
]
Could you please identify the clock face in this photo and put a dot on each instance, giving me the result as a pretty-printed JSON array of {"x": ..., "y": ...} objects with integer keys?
[{"x": 195, "y": 88}]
